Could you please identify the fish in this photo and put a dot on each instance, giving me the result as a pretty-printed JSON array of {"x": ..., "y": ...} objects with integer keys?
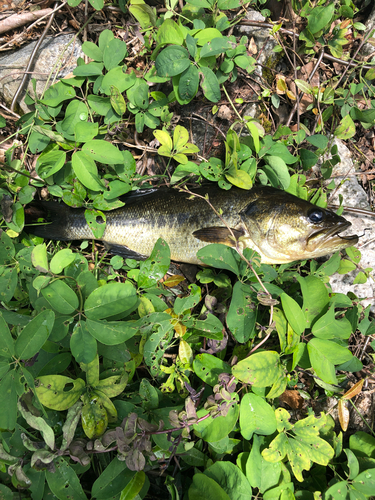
[{"x": 281, "y": 227}]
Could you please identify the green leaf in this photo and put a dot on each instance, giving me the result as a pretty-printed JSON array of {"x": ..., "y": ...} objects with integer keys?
[
  {"x": 231, "y": 479},
  {"x": 7, "y": 250},
  {"x": 102, "y": 151},
  {"x": 154, "y": 267},
  {"x": 50, "y": 163},
  {"x": 210, "y": 84},
  {"x": 58, "y": 392},
  {"x": 112, "y": 480},
  {"x": 8, "y": 393},
  {"x": 134, "y": 486},
  {"x": 206, "y": 35},
  {"x": 92, "y": 51},
  {"x": 256, "y": 416},
  {"x": 82, "y": 344},
  {"x": 318, "y": 140},
  {"x": 138, "y": 94},
  {"x": 215, "y": 46},
  {"x": 58, "y": 93},
  {"x": 242, "y": 313},
  {"x": 8, "y": 283},
  {"x": 220, "y": 256},
  {"x": 61, "y": 297},
  {"x": 183, "y": 304},
  {"x": 96, "y": 220},
  {"x": 260, "y": 473},
  {"x": 111, "y": 299},
  {"x": 143, "y": 13},
  {"x": 113, "y": 54},
  {"x": 76, "y": 112},
  {"x": 118, "y": 78},
  {"x": 281, "y": 170},
  {"x": 61, "y": 260},
  {"x": 324, "y": 354},
  {"x": 304, "y": 86},
  {"x": 113, "y": 386},
  {"x": 304, "y": 448},
  {"x": 315, "y": 297},
  {"x": 6, "y": 340},
  {"x": 112, "y": 332},
  {"x": 172, "y": 61},
  {"x": 261, "y": 369},
  {"x": 117, "y": 101},
  {"x": 241, "y": 179},
  {"x": 328, "y": 327},
  {"x": 293, "y": 313},
  {"x": 188, "y": 83},
  {"x": 90, "y": 69},
  {"x": 320, "y": 17},
  {"x": 205, "y": 488},
  {"x": 346, "y": 129},
  {"x": 63, "y": 482},
  {"x": 208, "y": 368},
  {"x": 34, "y": 335},
  {"x": 85, "y": 131}
]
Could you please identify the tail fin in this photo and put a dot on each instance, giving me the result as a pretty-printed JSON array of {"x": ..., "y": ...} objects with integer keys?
[{"x": 56, "y": 221}]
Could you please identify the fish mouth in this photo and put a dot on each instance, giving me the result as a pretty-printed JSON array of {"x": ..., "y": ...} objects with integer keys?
[{"x": 331, "y": 238}]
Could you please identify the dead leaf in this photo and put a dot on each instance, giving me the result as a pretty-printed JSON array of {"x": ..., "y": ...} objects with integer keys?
[{"x": 292, "y": 398}]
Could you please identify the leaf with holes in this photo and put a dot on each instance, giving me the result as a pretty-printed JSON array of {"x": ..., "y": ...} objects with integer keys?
[{"x": 58, "y": 392}]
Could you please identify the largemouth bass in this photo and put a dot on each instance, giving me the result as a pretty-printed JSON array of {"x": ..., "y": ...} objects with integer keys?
[{"x": 279, "y": 226}]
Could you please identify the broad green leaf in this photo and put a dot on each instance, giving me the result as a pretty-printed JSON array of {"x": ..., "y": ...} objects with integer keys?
[
  {"x": 169, "y": 32},
  {"x": 90, "y": 69},
  {"x": 117, "y": 101},
  {"x": 240, "y": 179},
  {"x": 112, "y": 480},
  {"x": 92, "y": 371},
  {"x": 61, "y": 260},
  {"x": 328, "y": 327},
  {"x": 154, "y": 267},
  {"x": 58, "y": 364},
  {"x": 211, "y": 327},
  {"x": 85, "y": 131},
  {"x": 82, "y": 344},
  {"x": 8, "y": 393},
  {"x": 61, "y": 297},
  {"x": 102, "y": 151},
  {"x": 113, "y": 386},
  {"x": 92, "y": 51},
  {"x": 58, "y": 392},
  {"x": 320, "y": 17},
  {"x": 172, "y": 61},
  {"x": 215, "y": 46},
  {"x": 116, "y": 189},
  {"x": 183, "y": 304},
  {"x": 6, "y": 339},
  {"x": 64, "y": 482},
  {"x": 34, "y": 335},
  {"x": 260, "y": 473},
  {"x": 346, "y": 129},
  {"x": 208, "y": 367},
  {"x": 117, "y": 77},
  {"x": 85, "y": 169},
  {"x": 207, "y": 35},
  {"x": 256, "y": 416},
  {"x": 50, "y": 163},
  {"x": 261, "y": 369},
  {"x": 114, "y": 53},
  {"x": 205, "y": 488},
  {"x": 76, "y": 112},
  {"x": 58, "y": 93},
  {"x": 231, "y": 479},
  {"x": 220, "y": 256},
  {"x": 281, "y": 170},
  {"x": 8, "y": 283},
  {"x": 324, "y": 354},
  {"x": 96, "y": 220},
  {"x": 143, "y": 13},
  {"x": 7, "y": 250},
  {"x": 304, "y": 86},
  {"x": 210, "y": 84},
  {"x": 5, "y": 493},
  {"x": 111, "y": 299},
  {"x": 293, "y": 313},
  {"x": 242, "y": 313},
  {"x": 138, "y": 94},
  {"x": 315, "y": 297},
  {"x": 318, "y": 140},
  {"x": 135, "y": 485},
  {"x": 362, "y": 444},
  {"x": 39, "y": 258},
  {"x": 112, "y": 332}
]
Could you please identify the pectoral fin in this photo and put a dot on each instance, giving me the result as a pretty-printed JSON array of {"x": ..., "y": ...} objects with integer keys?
[
  {"x": 217, "y": 235},
  {"x": 124, "y": 251}
]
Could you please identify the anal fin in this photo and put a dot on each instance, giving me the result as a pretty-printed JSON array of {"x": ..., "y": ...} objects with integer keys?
[
  {"x": 217, "y": 235},
  {"x": 124, "y": 251}
]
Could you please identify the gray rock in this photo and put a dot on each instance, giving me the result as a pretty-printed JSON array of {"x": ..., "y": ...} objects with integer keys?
[
  {"x": 355, "y": 196},
  {"x": 52, "y": 51}
]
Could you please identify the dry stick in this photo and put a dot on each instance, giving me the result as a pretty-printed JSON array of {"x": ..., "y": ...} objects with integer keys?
[
  {"x": 21, "y": 35},
  {"x": 321, "y": 55},
  {"x": 32, "y": 57}
]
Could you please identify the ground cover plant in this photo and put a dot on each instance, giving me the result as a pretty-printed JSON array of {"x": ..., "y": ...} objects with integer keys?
[{"x": 120, "y": 381}]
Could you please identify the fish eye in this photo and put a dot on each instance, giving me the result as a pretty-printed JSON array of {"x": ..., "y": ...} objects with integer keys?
[{"x": 316, "y": 215}]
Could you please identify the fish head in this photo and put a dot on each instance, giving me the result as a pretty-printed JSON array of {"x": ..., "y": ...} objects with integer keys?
[{"x": 284, "y": 228}]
